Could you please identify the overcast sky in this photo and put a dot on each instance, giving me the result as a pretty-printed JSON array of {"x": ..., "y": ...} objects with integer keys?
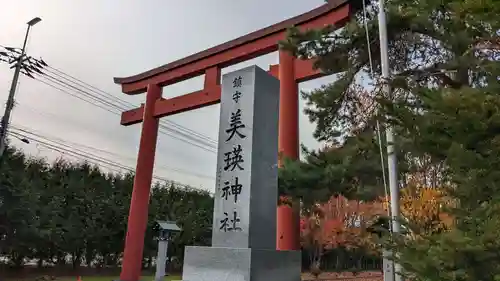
[{"x": 95, "y": 40}]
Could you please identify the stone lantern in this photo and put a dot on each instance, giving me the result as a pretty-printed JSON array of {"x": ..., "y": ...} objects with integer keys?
[{"x": 166, "y": 229}]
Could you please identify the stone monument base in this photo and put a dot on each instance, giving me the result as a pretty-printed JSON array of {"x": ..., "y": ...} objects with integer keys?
[{"x": 240, "y": 264}]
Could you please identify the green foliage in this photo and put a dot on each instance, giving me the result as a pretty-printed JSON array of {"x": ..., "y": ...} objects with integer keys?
[
  {"x": 461, "y": 127},
  {"x": 49, "y": 212},
  {"x": 428, "y": 40},
  {"x": 444, "y": 106},
  {"x": 351, "y": 169}
]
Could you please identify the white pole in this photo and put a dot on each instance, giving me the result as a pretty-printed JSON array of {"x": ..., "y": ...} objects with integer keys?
[
  {"x": 161, "y": 260},
  {"x": 391, "y": 156}
]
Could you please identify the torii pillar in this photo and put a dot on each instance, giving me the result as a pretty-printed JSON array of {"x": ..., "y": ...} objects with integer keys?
[
  {"x": 139, "y": 204},
  {"x": 290, "y": 72},
  {"x": 288, "y": 142},
  {"x": 288, "y": 232}
]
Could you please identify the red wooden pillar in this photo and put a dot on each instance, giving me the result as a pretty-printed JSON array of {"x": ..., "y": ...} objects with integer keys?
[
  {"x": 138, "y": 214},
  {"x": 288, "y": 218}
]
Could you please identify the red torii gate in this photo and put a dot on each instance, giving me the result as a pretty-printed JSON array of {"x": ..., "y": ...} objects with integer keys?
[{"x": 290, "y": 72}]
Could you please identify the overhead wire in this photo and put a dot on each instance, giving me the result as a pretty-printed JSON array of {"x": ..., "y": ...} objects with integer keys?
[
  {"x": 90, "y": 94},
  {"x": 88, "y": 86},
  {"x": 378, "y": 128},
  {"x": 27, "y": 130},
  {"x": 23, "y": 138},
  {"x": 124, "y": 104},
  {"x": 72, "y": 151},
  {"x": 61, "y": 89},
  {"x": 56, "y": 117},
  {"x": 61, "y": 86},
  {"x": 88, "y": 147},
  {"x": 97, "y": 98},
  {"x": 34, "y": 132},
  {"x": 175, "y": 134}
]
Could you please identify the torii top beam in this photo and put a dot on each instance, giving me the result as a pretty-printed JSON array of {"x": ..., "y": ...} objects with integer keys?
[{"x": 210, "y": 61}]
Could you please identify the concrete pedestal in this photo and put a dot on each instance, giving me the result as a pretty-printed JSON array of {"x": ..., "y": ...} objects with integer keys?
[
  {"x": 388, "y": 266},
  {"x": 240, "y": 264}
]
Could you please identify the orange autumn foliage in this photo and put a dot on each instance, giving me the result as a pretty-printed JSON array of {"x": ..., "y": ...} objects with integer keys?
[
  {"x": 423, "y": 209},
  {"x": 339, "y": 223}
]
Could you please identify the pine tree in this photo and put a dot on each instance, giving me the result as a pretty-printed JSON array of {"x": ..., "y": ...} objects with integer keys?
[
  {"x": 460, "y": 127},
  {"x": 351, "y": 169},
  {"x": 432, "y": 43},
  {"x": 445, "y": 57}
]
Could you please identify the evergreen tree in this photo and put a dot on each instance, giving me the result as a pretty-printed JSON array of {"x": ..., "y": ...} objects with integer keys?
[
  {"x": 51, "y": 211},
  {"x": 445, "y": 107},
  {"x": 351, "y": 169},
  {"x": 461, "y": 128}
]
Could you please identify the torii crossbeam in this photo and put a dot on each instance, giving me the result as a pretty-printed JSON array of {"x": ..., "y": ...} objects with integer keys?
[{"x": 290, "y": 72}]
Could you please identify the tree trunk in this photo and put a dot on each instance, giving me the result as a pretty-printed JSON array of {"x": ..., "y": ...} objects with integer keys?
[
  {"x": 60, "y": 259},
  {"x": 150, "y": 262},
  {"x": 89, "y": 257},
  {"x": 18, "y": 260},
  {"x": 76, "y": 260},
  {"x": 337, "y": 260}
]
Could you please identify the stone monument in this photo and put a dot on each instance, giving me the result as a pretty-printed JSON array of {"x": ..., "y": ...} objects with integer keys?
[{"x": 244, "y": 220}]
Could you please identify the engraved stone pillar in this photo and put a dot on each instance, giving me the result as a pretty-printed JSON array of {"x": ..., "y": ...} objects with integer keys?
[{"x": 244, "y": 220}]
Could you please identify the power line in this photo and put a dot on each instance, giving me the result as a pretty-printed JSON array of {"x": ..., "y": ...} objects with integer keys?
[
  {"x": 378, "y": 128},
  {"x": 66, "y": 149},
  {"x": 55, "y": 117},
  {"x": 99, "y": 102},
  {"x": 127, "y": 105},
  {"x": 124, "y": 104},
  {"x": 40, "y": 71},
  {"x": 86, "y": 156},
  {"x": 26, "y": 130},
  {"x": 184, "y": 138},
  {"x": 53, "y": 77},
  {"x": 58, "y": 118},
  {"x": 74, "y": 95},
  {"x": 88, "y": 86}
]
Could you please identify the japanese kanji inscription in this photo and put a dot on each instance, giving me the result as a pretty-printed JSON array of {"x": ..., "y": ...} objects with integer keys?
[
  {"x": 244, "y": 219},
  {"x": 244, "y": 134}
]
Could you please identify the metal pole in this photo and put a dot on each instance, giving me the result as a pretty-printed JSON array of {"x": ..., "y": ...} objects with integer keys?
[
  {"x": 391, "y": 156},
  {"x": 10, "y": 100}
]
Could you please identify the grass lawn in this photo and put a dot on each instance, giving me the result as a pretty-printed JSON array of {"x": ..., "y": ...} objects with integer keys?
[
  {"x": 111, "y": 278},
  {"x": 103, "y": 278}
]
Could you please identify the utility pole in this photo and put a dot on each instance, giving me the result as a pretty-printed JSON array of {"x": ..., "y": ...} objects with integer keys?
[
  {"x": 391, "y": 156},
  {"x": 10, "y": 100}
]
